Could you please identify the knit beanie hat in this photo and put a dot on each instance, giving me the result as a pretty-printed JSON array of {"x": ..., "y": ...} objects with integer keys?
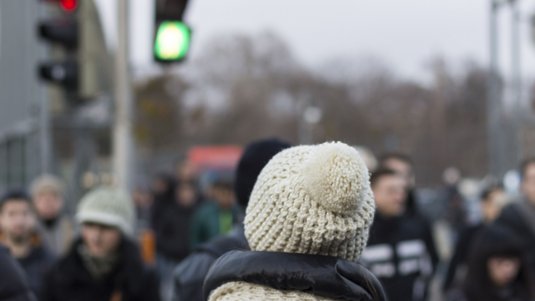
[
  {"x": 255, "y": 156},
  {"x": 312, "y": 199},
  {"x": 107, "y": 206}
]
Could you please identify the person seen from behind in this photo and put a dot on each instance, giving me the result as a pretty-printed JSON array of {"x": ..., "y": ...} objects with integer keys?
[{"x": 307, "y": 223}]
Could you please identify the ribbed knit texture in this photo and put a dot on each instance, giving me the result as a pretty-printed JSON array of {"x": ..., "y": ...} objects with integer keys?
[
  {"x": 310, "y": 200},
  {"x": 107, "y": 206}
]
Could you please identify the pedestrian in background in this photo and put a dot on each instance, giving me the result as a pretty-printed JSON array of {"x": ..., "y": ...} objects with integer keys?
[
  {"x": 217, "y": 215},
  {"x": 497, "y": 269},
  {"x": 13, "y": 284},
  {"x": 19, "y": 234},
  {"x": 400, "y": 249},
  {"x": 519, "y": 216},
  {"x": 492, "y": 201},
  {"x": 56, "y": 227},
  {"x": 307, "y": 222},
  {"x": 104, "y": 263},
  {"x": 189, "y": 275}
]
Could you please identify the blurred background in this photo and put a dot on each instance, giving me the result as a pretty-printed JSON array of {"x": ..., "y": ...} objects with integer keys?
[{"x": 89, "y": 91}]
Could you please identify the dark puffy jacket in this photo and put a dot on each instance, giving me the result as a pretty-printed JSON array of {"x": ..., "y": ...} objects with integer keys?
[
  {"x": 13, "y": 285},
  {"x": 402, "y": 254},
  {"x": 190, "y": 273},
  {"x": 131, "y": 281},
  {"x": 322, "y": 276}
]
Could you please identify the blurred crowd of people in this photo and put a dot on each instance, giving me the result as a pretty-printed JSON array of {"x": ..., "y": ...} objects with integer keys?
[{"x": 322, "y": 222}]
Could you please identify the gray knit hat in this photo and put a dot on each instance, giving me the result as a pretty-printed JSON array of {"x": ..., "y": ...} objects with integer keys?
[
  {"x": 312, "y": 199},
  {"x": 107, "y": 206}
]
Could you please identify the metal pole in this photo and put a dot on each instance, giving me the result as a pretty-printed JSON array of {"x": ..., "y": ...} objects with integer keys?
[
  {"x": 122, "y": 131},
  {"x": 492, "y": 116},
  {"x": 516, "y": 80}
]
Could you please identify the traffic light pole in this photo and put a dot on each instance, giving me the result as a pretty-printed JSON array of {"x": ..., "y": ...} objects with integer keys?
[{"x": 122, "y": 131}]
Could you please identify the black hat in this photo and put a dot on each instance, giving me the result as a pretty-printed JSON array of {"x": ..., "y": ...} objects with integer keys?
[{"x": 255, "y": 156}]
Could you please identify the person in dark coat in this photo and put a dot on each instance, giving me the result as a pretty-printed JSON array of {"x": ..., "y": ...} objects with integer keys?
[
  {"x": 307, "y": 223},
  {"x": 519, "y": 216},
  {"x": 190, "y": 273},
  {"x": 171, "y": 225},
  {"x": 497, "y": 269},
  {"x": 400, "y": 249},
  {"x": 492, "y": 201},
  {"x": 13, "y": 283},
  {"x": 19, "y": 234},
  {"x": 104, "y": 264}
]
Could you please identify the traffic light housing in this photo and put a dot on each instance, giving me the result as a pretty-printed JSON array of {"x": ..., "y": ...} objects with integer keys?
[
  {"x": 62, "y": 33},
  {"x": 172, "y": 36}
]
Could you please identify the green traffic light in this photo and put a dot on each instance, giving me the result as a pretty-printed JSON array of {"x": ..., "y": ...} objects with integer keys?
[{"x": 172, "y": 41}]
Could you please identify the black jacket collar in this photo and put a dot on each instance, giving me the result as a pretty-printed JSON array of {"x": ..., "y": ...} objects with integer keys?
[{"x": 323, "y": 276}]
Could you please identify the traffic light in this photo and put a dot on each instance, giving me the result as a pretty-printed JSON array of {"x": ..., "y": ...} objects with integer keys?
[
  {"x": 172, "y": 38},
  {"x": 79, "y": 63},
  {"x": 172, "y": 41},
  {"x": 62, "y": 33}
]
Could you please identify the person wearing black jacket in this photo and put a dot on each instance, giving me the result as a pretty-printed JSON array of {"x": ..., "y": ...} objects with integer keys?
[
  {"x": 497, "y": 269},
  {"x": 190, "y": 273},
  {"x": 400, "y": 251},
  {"x": 492, "y": 201},
  {"x": 519, "y": 217},
  {"x": 104, "y": 264},
  {"x": 13, "y": 284},
  {"x": 19, "y": 234},
  {"x": 307, "y": 223}
]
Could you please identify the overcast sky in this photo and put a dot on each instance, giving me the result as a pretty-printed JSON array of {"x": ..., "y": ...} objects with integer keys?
[{"x": 404, "y": 34}]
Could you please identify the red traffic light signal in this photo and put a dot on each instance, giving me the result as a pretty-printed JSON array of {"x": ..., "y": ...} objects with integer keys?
[{"x": 68, "y": 5}]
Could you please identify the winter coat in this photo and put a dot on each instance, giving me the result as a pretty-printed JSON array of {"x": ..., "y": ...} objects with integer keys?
[
  {"x": 402, "y": 254},
  {"x": 190, "y": 273},
  {"x": 131, "y": 280},
  {"x": 496, "y": 241},
  {"x": 171, "y": 225},
  {"x": 13, "y": 284},
  {"x": 57, "y": 236},
  {"x": 36, "y": 264},
  {"x": 516, "y": 218},
  {"x": 205, "y": 223},
  {"x": 255, "y": 275},
  {"x": 460, "y": 255}
]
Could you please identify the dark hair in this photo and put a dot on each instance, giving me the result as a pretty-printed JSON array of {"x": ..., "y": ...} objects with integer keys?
[
  {"x": 494, "y": 241},
  {"x": 380, "y": 173},
  {"x": 524, "y": 166},
  {"x": 395, "y": 156},
  {"x": 487, "y": 191},
  {"x": 15, "y": 195}
]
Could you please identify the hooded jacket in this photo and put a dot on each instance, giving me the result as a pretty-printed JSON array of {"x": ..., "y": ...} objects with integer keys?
[
  {"x": 255, "y": 275},
  {"x": 131, "y": 280}
]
